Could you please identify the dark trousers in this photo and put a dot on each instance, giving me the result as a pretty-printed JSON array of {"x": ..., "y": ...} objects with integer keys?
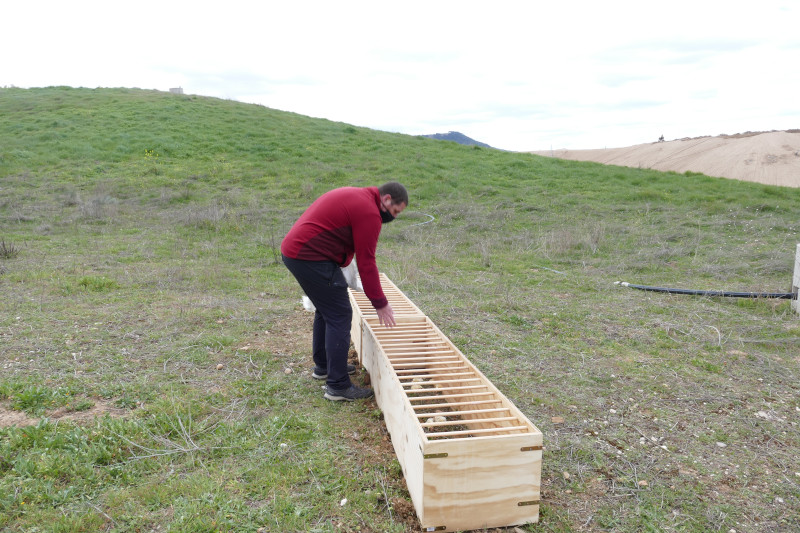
[{"x": 324, "y": 284}]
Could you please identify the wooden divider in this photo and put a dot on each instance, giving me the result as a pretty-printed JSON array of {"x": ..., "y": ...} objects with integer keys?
[{"x": 470, "y": 458}]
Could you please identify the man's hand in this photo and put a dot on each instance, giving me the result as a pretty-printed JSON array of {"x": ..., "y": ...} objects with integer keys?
[{"x": 386, "y": 316}]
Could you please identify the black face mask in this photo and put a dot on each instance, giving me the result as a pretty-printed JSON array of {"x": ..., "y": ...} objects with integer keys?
[{"x": 386, "y": 217}]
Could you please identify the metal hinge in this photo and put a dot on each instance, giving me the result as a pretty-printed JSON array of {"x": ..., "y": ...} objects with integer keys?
[
  {"x": 532, "y": 502},
  {"x": 434, "y": 455}
]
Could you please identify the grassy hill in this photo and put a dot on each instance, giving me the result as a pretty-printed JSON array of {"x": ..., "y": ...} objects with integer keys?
[{"x": 140, "y": 280}]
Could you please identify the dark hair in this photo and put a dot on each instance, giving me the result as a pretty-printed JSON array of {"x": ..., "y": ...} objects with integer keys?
[{"x": 398, "y": 193}]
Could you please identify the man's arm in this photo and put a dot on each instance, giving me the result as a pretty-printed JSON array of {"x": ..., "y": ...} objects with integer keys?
[{"x": 365, "y": 241}]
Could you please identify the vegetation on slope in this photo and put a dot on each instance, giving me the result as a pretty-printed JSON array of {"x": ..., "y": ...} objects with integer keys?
[{"x": 143, "y": 281}]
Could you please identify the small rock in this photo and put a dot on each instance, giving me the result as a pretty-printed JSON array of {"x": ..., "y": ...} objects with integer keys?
[
  {"x": 343, "y": 502},
  {"x": 220, "y": 366},
  {"x": 566, "y": 475},
  {"x": 721, "y": 445},
  {"x": 287, "y": 371},
  {"x": 642, "y": 483}
]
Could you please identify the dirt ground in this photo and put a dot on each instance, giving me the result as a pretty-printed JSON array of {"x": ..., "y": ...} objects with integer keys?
[
  {"x": 772, "y": 158},
  {"x": 10, "y": 417}
]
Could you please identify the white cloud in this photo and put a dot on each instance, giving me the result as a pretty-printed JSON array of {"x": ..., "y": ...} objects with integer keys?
[{"x": 516, "y": 74}]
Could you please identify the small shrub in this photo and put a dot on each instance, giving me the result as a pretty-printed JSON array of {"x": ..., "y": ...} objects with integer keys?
[
  {"x": 83, "y": 404},
  {"x": 8, "y": 250},
  {"x": 33, "y": 399},
  {"x": 99, "y": 207}
]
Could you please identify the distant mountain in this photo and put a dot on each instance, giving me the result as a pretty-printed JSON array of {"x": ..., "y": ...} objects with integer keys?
[{"x": 457, "y": 137}]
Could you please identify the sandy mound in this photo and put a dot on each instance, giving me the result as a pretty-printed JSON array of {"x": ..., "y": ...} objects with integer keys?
[{"x": 772, "y": 158}]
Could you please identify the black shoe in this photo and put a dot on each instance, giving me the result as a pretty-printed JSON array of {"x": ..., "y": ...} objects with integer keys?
[
  {"x": 348, "y": 395},
  {"x": 321, "y": 373}
]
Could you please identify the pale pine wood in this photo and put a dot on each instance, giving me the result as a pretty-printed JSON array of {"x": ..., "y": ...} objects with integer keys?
[{"x": 477, "y": 467}]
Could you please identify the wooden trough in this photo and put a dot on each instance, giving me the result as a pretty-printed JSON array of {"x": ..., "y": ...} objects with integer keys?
[{"x": 470, "y": 458}]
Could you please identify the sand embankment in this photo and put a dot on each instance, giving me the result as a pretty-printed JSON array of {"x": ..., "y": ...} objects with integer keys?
[{"x": 772, "y": 158}]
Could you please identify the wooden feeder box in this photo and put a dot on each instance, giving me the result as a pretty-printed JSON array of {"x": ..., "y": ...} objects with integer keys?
[{"x": 470, "y": 458}]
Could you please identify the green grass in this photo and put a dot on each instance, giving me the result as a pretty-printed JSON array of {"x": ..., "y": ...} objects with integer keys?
[{"x": 139, "y": 234}]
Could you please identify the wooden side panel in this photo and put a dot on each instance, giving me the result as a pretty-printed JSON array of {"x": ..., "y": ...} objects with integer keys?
[
  {"x": 356, "y": 327},
  {"x": 406, "y": 434},
  {"x": 482, "y": 482}
]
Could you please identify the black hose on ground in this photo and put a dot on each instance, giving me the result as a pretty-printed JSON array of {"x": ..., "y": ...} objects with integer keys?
[{"x": 726, "y": 294}]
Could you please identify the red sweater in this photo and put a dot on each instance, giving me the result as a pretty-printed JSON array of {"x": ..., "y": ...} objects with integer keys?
[{"x": 340, "y": 223}]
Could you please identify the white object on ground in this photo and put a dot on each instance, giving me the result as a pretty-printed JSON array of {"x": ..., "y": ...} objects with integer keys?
[{"x": 353, "y": 281}]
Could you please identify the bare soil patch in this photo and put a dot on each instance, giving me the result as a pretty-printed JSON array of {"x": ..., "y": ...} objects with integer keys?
[{"x": 10, "y": 417}]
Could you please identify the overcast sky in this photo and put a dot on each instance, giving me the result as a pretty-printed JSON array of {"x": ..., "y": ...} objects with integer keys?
[{"x": 517, "y": 75}]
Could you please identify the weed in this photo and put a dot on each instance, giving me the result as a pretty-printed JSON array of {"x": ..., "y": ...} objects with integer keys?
[
  {"x": 34, "y": 399},
  {"x": 8, "y": 250},
  {"x": 97, "y": 283}
]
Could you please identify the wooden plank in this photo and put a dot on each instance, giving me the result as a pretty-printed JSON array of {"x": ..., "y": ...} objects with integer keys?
[
  {"x": 469, "y": 387},
  {"x": 428, "y": 372},
  {"x": 417, "y": 365},
  {"x": 437, "y": 397},
  {"x": 439, "y": 381},
  {"x": 491, "y": 477},
  {"x": 470, "y": 432},
  {"x": 417, "y": 408},
  {"x": 436, "y": 375},
  {"x": 420, "y": 348},
  {"x": 465, "y": 423},
  {"x": 451, "y": 413},
  {"x": 406, "y": 437},
  {"x": 430, "y": 357}
]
